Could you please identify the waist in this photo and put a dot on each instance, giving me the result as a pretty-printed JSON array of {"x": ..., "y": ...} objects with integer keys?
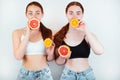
[
  {"x": 85, "y": 72},
  {"x": 77, "y": 64},
  {"x": 25, "y": 71},
  {"x": 34, "y": 62}
]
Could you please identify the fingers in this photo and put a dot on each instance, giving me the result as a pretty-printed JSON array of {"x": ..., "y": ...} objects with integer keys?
[
  {"x": 28, "y": 30},
  {"x": 81, "y": 22},
  {"x": 53, "y": 44}
]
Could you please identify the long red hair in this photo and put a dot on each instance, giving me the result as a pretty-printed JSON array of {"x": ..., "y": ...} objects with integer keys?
[
  {"x": 60, "y": 35},
  {"x": 46, "y": 33}
]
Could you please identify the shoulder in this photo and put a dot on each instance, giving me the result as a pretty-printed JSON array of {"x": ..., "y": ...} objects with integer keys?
[{"x": 18, "y": 32}]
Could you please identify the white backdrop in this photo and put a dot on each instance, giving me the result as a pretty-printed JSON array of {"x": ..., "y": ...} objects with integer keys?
[{"x": 102, "y": 17}]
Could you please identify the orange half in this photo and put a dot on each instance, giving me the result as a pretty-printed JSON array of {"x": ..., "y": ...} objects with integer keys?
[
  {"x": 47, "y": 42},
  {"x": 74, "y": 23}
]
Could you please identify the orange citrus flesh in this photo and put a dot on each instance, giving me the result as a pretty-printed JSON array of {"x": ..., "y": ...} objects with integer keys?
[
  {"x": 47, "y": 42},
  {"x": 74, "y": 23}
]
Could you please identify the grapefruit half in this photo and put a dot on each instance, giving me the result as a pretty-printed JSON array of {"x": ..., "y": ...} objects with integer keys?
[
  {"x": 34, "y": 23},
  {"x": 64, "y": 50}
]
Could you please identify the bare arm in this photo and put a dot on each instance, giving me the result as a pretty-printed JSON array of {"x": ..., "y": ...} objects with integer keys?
[
  {"x": 91, "y": 39},
  {"x": 19, "y": 46},
  {"x": 59, "y": 60},
  {"x": 50, "y": 52},
  {"x": 94, "y": 43}
]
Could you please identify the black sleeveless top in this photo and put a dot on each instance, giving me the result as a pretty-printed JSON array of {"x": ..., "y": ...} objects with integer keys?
[{"x": 80, "y": 51}]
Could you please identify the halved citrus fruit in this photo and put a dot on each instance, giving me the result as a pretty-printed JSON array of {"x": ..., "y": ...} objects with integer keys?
[
  {"x": 47, "y": 42},
  {"x": 74, "y": 23},
  {"x": 34, "y": 23},
  {"x": 64, "y": 50}
]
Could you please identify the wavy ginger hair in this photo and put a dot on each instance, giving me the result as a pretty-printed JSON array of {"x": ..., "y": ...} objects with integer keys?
[
  {"x": 60, "y": 35},
  {"x": 46, "y": 33}
]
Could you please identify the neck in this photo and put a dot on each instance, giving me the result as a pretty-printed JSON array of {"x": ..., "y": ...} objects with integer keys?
[{"x": 37, "y": 31}]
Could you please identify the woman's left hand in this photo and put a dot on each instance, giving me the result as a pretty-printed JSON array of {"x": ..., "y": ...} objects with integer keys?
[{"x": 50, "y": 50}]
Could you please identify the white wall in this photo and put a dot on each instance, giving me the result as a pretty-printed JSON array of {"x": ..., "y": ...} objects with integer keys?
[{"x": 102, "y": 17}]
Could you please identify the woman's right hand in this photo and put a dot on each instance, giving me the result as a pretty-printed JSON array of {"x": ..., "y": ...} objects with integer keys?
[
  {"x": 28, "y": 30},
  {"x": 67, "y": 56}
]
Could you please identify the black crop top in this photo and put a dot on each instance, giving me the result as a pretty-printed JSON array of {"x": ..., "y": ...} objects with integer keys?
[{"x": 80, "y": 51}]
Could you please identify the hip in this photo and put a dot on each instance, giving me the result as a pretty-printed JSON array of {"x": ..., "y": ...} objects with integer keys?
[
  {"x": 87, "y": 74},
  {"x": 43, "y": 74}
]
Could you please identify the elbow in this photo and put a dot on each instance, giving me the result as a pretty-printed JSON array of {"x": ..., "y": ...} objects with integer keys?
[
  {"x": 60, "y": 63},
  {"x": 18, "y": 57},
  {"x": 49, "y": 59},
  {"x": 99, "y": 52}
]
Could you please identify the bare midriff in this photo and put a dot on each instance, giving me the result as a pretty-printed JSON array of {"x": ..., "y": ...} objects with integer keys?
[
  {"x": 77, "y": 64},
  {"x": 34, "y": 62}
]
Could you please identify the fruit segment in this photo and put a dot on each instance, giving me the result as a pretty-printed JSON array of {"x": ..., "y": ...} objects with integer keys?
[
  {"x": 74, "y": 23},
  {"x": 47, "y": 42},
  {"x": 64, "y": 50}
]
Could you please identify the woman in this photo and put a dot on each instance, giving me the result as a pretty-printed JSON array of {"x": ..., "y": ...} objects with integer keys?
[
  {"x": 28, "y": 45},
  {"x": 79, "y": 40}
]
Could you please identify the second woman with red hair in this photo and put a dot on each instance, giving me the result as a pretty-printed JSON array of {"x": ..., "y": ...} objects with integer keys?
[{"x": 79, "y": 39}]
